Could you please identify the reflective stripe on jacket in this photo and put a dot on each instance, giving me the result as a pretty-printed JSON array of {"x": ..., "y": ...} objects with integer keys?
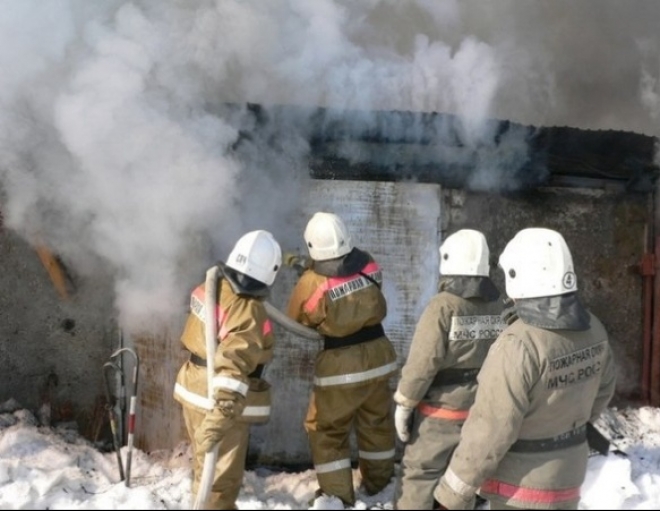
[
  {"x": 517, "y": 493},
  {"x": 442, "y": 413}
]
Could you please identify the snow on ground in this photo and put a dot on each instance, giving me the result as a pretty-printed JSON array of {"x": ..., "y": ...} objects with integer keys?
[{"x": 56, "y": 468}]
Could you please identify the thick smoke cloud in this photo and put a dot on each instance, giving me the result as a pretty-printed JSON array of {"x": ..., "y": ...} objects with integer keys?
[{"x": 117, "y": 147}]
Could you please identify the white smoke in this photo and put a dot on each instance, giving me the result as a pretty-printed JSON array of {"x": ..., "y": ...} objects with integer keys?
[{"x": 117, "y": 148}]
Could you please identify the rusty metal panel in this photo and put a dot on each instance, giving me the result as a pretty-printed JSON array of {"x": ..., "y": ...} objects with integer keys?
[
  {"x": 398, "y": 223},
  {"x": 159, "y": 423}
]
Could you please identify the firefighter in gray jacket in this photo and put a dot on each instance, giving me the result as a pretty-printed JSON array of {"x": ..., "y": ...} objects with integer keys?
[
  {"x": 439, "y": 379},
  {"x": 547, "y": 375}
]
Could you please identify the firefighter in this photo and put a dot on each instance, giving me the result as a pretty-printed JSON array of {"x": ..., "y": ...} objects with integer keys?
[
  {"x": 546, "y": 376},
  {"x": 439, "y": 379},
  {"x": 245, "y": 344},
  {"x": 340, "y": 296}
]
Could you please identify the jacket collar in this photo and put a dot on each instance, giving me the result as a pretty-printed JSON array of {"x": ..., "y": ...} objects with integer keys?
[
  {"x": 561, "y": 312},
  {"x": 243, "y": 285},
  {"x": 470, "y": 287},
  {"x": 343, "y": 266}
]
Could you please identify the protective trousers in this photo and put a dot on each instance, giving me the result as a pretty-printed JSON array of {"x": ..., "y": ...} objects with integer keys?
[
  {"x": 425, "y": 459},
  {"x": 230, "y": 465},
  {"x": 332, "y": 413}
]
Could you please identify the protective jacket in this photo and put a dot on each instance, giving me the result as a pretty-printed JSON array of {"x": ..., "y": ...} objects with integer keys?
[
  {"x": 245, "y": 337},
  {"x": 524, "y": 444},
  {"x": 342, "y": 300},
  {"x": 439, "y": 379},
  {"x": 245, "y": 344}
]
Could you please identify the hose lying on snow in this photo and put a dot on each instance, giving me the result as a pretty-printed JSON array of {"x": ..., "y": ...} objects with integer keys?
[{"x": 291, "y": 325}]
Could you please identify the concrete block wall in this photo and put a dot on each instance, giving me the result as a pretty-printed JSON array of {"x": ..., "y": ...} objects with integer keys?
[{"x": 45, "y": 338}]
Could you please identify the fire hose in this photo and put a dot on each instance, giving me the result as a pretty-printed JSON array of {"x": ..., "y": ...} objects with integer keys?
[
  {"x": 211, "y": 332},
  {"x": 291, "y": 325}
]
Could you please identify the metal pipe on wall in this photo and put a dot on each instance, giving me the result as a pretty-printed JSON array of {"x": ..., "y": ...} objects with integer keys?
[
  {"x": 655, "y": 343},
  {"x": 647, "y": 270}
]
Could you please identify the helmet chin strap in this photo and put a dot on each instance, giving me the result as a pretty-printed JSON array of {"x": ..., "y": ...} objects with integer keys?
[{"x": 244, "y": 284}]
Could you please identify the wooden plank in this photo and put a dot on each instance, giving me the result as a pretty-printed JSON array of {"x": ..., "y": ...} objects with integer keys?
[{"x": 55, "y": 270}]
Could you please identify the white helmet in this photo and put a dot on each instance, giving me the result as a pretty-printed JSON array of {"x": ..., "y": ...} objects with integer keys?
[
  {"x": 537, "y": 262},
  {"x": 326, "y": 237},
  {"x": 258, "y": 255},
  {"x": 465, "y": 253}
]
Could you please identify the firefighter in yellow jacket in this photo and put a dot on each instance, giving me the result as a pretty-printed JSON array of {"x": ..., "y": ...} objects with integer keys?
[
  {"x": 340, "y": 296},
  {"x": 439, "y": 379},
  {"x": 547, "y": 375},
  {"x": 244, "y": 345}
]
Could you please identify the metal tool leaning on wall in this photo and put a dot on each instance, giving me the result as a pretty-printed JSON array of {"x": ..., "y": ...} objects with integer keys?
[{"x": 111, "y": 402}]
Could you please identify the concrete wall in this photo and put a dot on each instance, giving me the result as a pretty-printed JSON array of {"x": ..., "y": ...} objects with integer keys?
[
  {"x": 44, "y": 336},
  {"x": 605, "y": 231}
]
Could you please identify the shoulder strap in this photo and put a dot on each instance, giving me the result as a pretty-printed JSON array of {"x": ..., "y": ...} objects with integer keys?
[{"x": 368, "y": 277}]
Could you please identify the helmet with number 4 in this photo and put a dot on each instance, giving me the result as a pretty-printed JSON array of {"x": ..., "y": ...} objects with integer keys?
[
  {"x": 258, "y": 255},
  {"x": 537, "y": 262},
  {"x": 465, "y": 253}
]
